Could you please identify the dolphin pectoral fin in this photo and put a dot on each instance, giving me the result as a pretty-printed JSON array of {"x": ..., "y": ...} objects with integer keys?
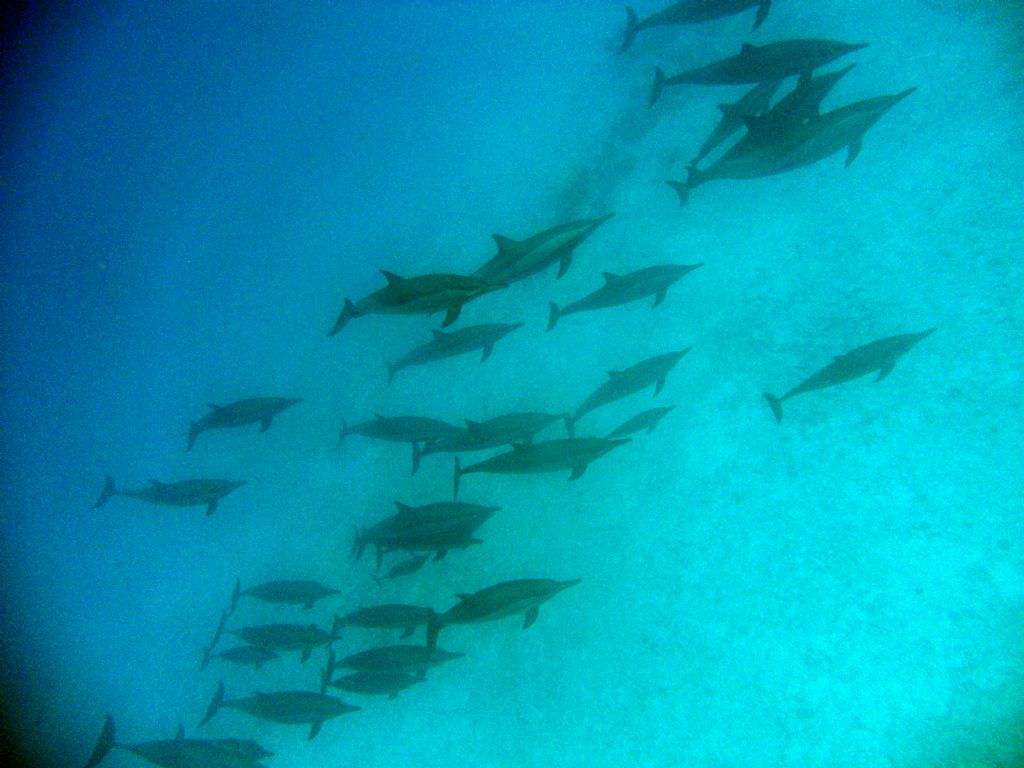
[
  {"x": 380, "y": 555},
  {"x": 487, "y": 352},
  {"x": 886, "y": 369},
  {"x": 775, "y": 404},
  {"x": 632, "y": 27},
  {"x": 451, "y": 315},
  {"x": 659, "y": 386},
  {"x": 577, "y": 472},
  {"x": 659, "y": 297},
  {"x": 417, "y": 454},
  {"x": 265, "y": 423},
  {"x": 762, "y": 13},
  {"x": 211, "y": 507},
  {"x": 564, "y": 264},
  {"x": 656, "y": 89},
  {"x": 315, "y": 729},
  {"x": 531, "y": 616},
  {"x": 854, "y": 150},
  {"x": 441, "y": 554},
  {"x": 193, "y": 432},
  {"x": 215, "y": 702},
  {"x": 408, "y": 631}
]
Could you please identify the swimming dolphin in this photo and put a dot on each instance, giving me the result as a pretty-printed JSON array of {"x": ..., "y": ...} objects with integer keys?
[
  {"x": 422, "y": 295},
  {"x": 653, "y": 370},
  {"x": 287, "y": 637},
  {"x": 800, "y": 146},
  {"x": 880, "y": 355},
  {"x": 645, "y": 420},
  {"x": 574, "y": 453},
  {"x": 735, "y": 116},
  {"x": 285, "y": 592},
  {"x": 245, "y": 655},
  {"x": 240, "y": 414},
  {"x": 405, "y": 568},
  {"x": 287, "y": 707},
  {"x": 622, "y": 289},
  {"x": 391, "y": 616},
  {"x": 388, "y": 684},
  {"x": 508, "y": 598},
  {"x": 691, "y": 12},
  {"x": 452, "y": 343},
  {"x": 518, "y": 259},
  {"x": 185, "y": 493},
  {"x": 399, "y": 659},
  {"x": 451, "y": 522},
  {"x": 756, "y": 64}
]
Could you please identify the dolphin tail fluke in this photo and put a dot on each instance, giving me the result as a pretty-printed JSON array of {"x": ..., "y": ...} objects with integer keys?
[
  {"x": 775, "y": 404},
  {"x": 327, "y": 672},
  {"x": 682, "y": 189},
  {"x": 632, "y": 27},
  {"x": 392, "y": 370},
  {"x": 358, "y": 544},
  {"x": 434, "y": 625},
  {"x": 215, "y": 702},
  {"x": 343, "y": 434},
  {"x": 458, "y": 473},
  {"x": 206, "y": 658},
  {"x": 193, "y": 432},
  {"x": 762, "y": 13},
  {"x": 347, "y": 313},
  {"x": 104, "y": 744},
  {"x": 553, "y": 314},
  {"x": 108, "y": 490},
  {"x": 417, "y": 454},
  {"x": 570, "y": 425},
  {"x": 659, "y": 85},
  {"x": 235, "y": 594}
]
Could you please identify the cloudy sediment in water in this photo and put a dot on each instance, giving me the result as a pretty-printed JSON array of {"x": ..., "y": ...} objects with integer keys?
[{"x": 190, "y": 193}]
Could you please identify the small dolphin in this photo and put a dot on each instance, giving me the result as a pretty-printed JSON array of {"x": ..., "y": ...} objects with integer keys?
[
  {"x": 622, "y": 289},
  {"x": 453, "y": 343},
  {"x": 645, "y": 420},
  {"x": 399, "y": 659},
  {"x": 393, "y": 616},
  {"x": 496, "y": 602},
  {"x": 244, "y": 655},
  {"x": 518, "y": 259},
  {"x": 574, "y": 453},
  {"x": 653, "y": 370},
  {"x": 880, "y": 355},
  {"x": 185, "y": 493},
  {"x": 388, "y": 684},
  {"x": 735, "y": 116},
  {"x": 260, "y": 410},
  {"x": 285, "y": 592},
  {"x": 691, "y": 12},
  {"x": 408, "y": 566},
  {"x": 287, "y": 707},
  {"x": 756, "y": 64},
  {"x": 422, "y": 295},
  {"x": 287, "y": 637}
]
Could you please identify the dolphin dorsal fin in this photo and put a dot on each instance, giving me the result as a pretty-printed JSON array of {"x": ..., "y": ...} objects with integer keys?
[
  {"x": 505, "y": 243},
  {"x": 438, "y": 335},
  {"x": 518, "y": 446},
  {"x": 726, "y": 109},
  {"x": 215, "y": 408},
  {"x": 463, "y": 596},
  {"x": 610, "y": 277},
  {"x": 747, "y": 49},
  {"x": 472, "y": 426},
  {"x": 391, "y": 277},
  {"x": 403, "y": 509}
]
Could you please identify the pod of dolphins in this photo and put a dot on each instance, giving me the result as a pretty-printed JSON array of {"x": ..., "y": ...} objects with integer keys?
[{"x": 785, "y": 135}]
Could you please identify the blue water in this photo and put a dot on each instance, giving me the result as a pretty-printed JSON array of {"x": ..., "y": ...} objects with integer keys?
[{"x": 189, "y": 191}]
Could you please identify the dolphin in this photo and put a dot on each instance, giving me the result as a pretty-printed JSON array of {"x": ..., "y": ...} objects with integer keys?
[
  {"x": 880, "y": 355},
  {"x": 287, "y": 637},
  {"x": 406, "y": 567},
  {"x": 691, "y": 12},
  {"x": 756, "y": 64},
  {"x": 185, "y": 493},
  {"x": 645, "y": 420},
  {"x": 653, "y": 370},
  {"x": 245, "y": 655},
  {"x": 574, "y": 453},
  {"x": 422, "y": 295},
  {"x": 388, "y": 684},
  {"x": 400, "y": 429},
  {"x": 180, "y": 752},
  {"x": 507, "y": 598},
  {"x": 240, "y": 414},
  {"x": 622, "y": 289},
  {"x": 518, "y": 259},
  {"x": 501, "y": 430},
  {"x": 399, "y": 659},
  {"x": 735, "y": 116},
  {"x": 285, "y": 592},
  {"x": 452, "y": 343},
  {"x": 287, "y": 707},
  {"x": 800, "y": 146},
  {"x": 391, "y": 616}
]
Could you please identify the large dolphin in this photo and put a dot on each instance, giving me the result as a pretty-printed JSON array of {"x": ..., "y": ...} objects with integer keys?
[
  {"x": 880, "y": 355},
  {"x": 507, "y": 598},
  {"x": 180, "y": 752},
  {"x": 574, "y": 453},
  {"x": 185, "y": 493},
  {"x": 691, "y": 12},
  {"x": 518, "y": 259},
  {"x": 285, "y": 592},
  {"x": 452, "y": 343},
  {"x": 756, "y": 64},
  {"x": 622, "y": 289},
  {"x": 422, "y": 295},
  {"x": 287, "y": 707},
  {"x": 735, "y": 116},
  {"x": 653, "y": 370},
  {"x": 800, "y": 146},
  {"x": 254, "y": 410}
]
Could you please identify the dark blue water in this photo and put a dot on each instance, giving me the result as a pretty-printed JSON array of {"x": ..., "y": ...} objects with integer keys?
[{"x": 190, "y": 192}]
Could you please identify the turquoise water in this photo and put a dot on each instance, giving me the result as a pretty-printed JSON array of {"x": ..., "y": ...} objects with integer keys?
[{"x": 189, "y": 193}]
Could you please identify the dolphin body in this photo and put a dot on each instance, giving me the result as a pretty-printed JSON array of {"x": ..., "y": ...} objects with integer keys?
[
  {"x": 756, "y": 64},
  {"x": 388, "y": 684},
  {"x": 285, "y": 592},
  {"x": 573, "y": 453},
  {"x": 802, "y": 145},
  {"x": 391, "y": 616},
  {"x": 185, "y": 493},
  {"x": 735, "y": 116},
  {"x": 507, "y": 598},
  {"x": 623, "y": 289},
  {"x": 180, "y": 752},
  {"x": 453, "y": 343},
  {"x": 404, "y": 568},
  {"x": 691, "y": 12},
  {"x": 422, "y": 295},
  {"x": 646, "y": 420},
  {"x": 287, "y": 707},
  {"x": 518, "y": 259},
  {"x": 254, "y": 410},
  {"x": 653, "y": 370},
  {"x": 399, "y": 659},
  {"x": 287, "y": 637},
  {"x": 244, "y": 655},
  {"x": 880, "y": 355}
]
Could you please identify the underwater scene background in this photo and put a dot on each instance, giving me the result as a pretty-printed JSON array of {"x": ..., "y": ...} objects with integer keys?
[{"x": 191, "y": 190}]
